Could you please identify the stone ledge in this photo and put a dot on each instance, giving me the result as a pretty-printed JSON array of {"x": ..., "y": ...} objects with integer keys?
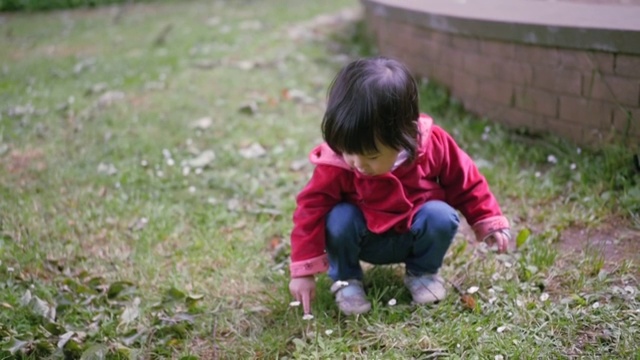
[
  {"x": 612, "y": 28},
  {"x": 535, "y": 68}
]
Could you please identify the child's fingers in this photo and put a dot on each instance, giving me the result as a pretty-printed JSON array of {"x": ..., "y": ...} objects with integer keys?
[
  {"x": 306, "y": 302},
  {"x": 491, "y": 240},
  {"x": 503, "y": 242}
]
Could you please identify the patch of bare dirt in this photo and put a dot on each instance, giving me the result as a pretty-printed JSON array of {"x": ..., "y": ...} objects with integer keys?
[
  {"x": 616, "y": 242},
  {"x": 23, "y": 164}
]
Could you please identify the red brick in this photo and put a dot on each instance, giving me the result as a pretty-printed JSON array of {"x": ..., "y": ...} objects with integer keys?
[
  {"x": 591, "y": 113},
  {"x": 474, "y": 106},
  {"x": 414, "y": 62},
  {"x": 430, "y": 49},
  {"x": 422, "y": 67},
  {"x": 498, "y": 49},
  {"x": 628, "y": 65},
  {"x": 479, "y": 65},
  {"x": 397, "y": 29},
  {"x": 496, "y": 91},
  {"x": 627, "y": 121},
  {"x": 536, "y": 54},
  {"x": 496, "y": 69},
  {"x": 394, "y": 50},
  {"x": 516, "y": 72},
  {"x": 586, "y": 61},
  {"x": 558, "y": 80},
  {"x": 493, "y": 68},
  {"x": 453, "y": 58},
  {"x": 597, "y": 137},
  {"x": 616, "y": 89},
  {"x": 567, "y": 130},
  {"x": 517, "y": 118},
  {"x": 398, "y": 36},
  {"x": 536, "y": 101},
  {"x": 422, "y": 33},
  {"x": 466, "y": 44},
  {"x": 464, "y": 85},
  {"x": 485, "y": 108},
  {"x": 441, "y": 74},
  {"x": 442, "y": 38}
]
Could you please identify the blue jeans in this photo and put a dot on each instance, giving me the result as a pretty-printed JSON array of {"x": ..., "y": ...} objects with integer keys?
[{"x": 422, "y": 248}]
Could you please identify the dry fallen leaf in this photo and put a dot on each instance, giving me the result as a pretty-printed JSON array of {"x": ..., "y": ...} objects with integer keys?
[
  {"x": 109, "y": 98},
  {"x": 255, "y": 150},
  {"x": 202, "y": 160},
  {"x": 468, "y": 302},
  {"x": 202, "y": 123}
]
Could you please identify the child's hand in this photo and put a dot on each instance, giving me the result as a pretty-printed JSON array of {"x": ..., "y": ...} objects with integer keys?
[
  {"x": 501, "y": 239},
  {"x": 303, "y": 289}
]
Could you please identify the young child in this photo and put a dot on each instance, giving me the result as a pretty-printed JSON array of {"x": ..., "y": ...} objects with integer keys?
[{"x": 386, "y": 189}]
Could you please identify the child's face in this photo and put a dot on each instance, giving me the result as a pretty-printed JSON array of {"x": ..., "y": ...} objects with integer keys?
[{"x": 372, "y": 164}]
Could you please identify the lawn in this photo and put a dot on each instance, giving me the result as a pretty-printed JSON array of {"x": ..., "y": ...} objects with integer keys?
[{"x": 150, "y": 155}]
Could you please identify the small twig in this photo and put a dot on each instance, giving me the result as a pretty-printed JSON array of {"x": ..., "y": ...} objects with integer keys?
[
  {"x": 161, "y": 38},
  {"x": 121, "y": 10},
  {"x": 215, "y": 347}
]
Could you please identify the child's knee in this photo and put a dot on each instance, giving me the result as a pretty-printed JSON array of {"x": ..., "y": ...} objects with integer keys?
[
  {"x": 342, "y": 220},
  {"x": 440, "y": 218}
]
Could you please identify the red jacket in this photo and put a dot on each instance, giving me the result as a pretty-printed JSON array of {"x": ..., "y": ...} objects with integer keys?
[{"x": 441, "y": 171}]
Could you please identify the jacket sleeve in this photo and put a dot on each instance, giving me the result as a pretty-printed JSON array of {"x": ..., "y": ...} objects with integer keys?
[
  {"x": 466, "y": 189},
  {"x": 317, "y": 198}
]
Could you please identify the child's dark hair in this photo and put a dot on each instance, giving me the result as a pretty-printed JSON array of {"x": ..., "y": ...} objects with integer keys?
[{"x": 372, "y": 99}]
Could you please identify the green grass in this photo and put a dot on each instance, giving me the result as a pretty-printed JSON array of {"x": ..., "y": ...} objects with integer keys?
[{"x": 100, "y": 221}]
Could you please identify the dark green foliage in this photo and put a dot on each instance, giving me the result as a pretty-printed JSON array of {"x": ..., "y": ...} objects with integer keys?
[{"x": 43, "y": 5}]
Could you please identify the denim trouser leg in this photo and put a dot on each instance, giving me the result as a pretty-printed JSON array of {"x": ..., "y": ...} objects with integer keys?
[
  {"x": 422, "y": 248},
  {"x": 434, "y": 227},
  {"x": 345, "y": 227}
]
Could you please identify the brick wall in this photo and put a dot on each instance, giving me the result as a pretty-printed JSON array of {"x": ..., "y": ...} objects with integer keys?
[{"x": 585, "y": 96}]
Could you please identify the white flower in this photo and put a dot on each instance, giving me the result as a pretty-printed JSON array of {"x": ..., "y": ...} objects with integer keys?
[
  {"x": 307, "y": 317},
  {"x": 294, "y": 303},
  {"x": 328, "y": 331},
  {"x": 544, "y": 297},
  {"x": 392, "y": 302},
  {"x": 538, "y": 174},
  {"x": 498, "y": 357},
  {"x": 595, "y": 305},
  {"x": 473, "y": 290},
  {"x": 192, "y": 189},
  {"x": 501, "y": 329},
  {"x": 573, "y": 166},
  {"x": 552, "y": 159},
  {"x": 144, "y": 163},
  {"x": 170, "y": 162},
  {"x": 186, "y": 170}
]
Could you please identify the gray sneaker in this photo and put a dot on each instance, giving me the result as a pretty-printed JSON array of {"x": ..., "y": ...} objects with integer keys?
[
  {"x": 425, "y": 289},
  {"x": 350, "y": 297}
]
